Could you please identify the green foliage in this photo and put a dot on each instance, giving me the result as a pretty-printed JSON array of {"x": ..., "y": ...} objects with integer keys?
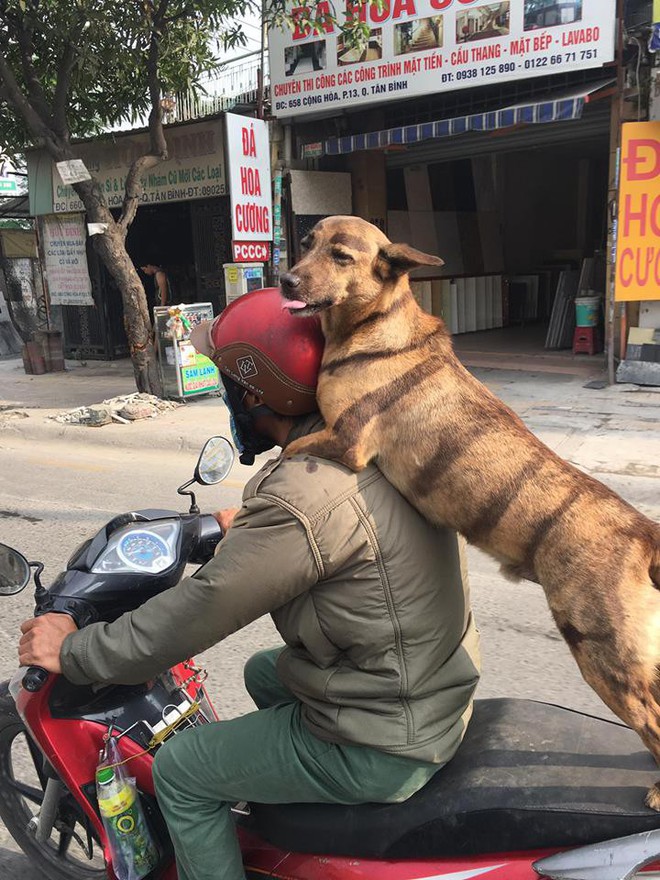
[
  {"x": 312, "y": 16},
  {"x": 102, "y": 47}
]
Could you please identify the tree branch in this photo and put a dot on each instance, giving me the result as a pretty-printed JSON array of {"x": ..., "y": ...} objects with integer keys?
[
  {"x": 157, "y": 143},
  {"x": 67, "y": 63},
  {"x": 35, "y": 90},
  {"x": 38, "y": 127}
]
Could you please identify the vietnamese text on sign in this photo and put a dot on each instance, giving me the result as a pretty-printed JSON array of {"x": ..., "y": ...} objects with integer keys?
[
  {"x": 248, "y": 150},
  {"x": 638, "y": 240},
  {"x": 418, "y": 47}
]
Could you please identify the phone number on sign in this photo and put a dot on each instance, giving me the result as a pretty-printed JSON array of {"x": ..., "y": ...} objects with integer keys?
[{"x": 511, "y": 66}]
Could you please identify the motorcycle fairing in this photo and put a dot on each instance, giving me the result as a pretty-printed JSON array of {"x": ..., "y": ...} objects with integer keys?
[
  {"x": 612, "y": 860},
  {"x": 527, "y": 776}
]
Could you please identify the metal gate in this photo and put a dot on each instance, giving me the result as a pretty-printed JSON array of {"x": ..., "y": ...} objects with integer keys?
[{"x": 211, "y": 229}]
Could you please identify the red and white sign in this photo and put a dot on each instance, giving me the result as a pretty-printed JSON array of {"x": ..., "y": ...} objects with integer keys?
[
  {"x": 251, "y": 251},
  {"x": 248, "y": 152}
]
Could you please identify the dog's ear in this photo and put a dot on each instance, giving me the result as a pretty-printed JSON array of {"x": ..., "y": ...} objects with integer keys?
[{"x": 395, "y": 260}]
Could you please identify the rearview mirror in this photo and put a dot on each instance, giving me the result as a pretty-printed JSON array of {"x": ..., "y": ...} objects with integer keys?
[
  {"x": 14, "y": 571},
  {"x": 215, "y": 461}
]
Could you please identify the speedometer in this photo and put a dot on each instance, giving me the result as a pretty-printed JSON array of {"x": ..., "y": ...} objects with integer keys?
[{"x": 144, "y": 550}]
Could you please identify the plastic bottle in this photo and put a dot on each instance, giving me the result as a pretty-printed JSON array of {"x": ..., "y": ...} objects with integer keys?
[{"x": 134, "y": 853}]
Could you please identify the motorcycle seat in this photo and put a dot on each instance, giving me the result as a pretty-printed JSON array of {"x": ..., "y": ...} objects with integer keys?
[{"x": 527, "y": 776}]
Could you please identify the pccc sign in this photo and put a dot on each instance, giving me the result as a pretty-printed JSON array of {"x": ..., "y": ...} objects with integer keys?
[
  {"x": 251, "y": 251},
  {"x": 248, "y": 152}
]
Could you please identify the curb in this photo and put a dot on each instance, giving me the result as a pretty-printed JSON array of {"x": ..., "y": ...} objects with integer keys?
[{"x": 176, "y": 431}]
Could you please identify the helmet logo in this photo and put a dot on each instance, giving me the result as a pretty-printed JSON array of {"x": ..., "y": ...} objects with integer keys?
[{"x": 246, "y": 366}]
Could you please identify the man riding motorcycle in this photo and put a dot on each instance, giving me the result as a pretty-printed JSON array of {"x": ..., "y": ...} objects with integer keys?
[{"x": 372, "y": 691}]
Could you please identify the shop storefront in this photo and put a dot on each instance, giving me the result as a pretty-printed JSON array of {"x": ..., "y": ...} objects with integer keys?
[
  {"x": 183, "y": 225},
  {"x": 498, "y": 160}
]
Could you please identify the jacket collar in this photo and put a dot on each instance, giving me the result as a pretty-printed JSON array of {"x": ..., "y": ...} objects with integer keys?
[{"x": 313, "y": 422}]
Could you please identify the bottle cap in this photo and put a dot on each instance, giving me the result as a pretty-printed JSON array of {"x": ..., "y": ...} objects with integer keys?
[{"x": 105, "y": 775}]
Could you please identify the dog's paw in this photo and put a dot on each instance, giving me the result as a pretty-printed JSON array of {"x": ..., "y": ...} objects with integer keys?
[{"x": 652, "y": 799}]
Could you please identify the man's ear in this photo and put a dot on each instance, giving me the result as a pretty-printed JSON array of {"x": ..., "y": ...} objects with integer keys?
[{"x": 395, "y": 260}]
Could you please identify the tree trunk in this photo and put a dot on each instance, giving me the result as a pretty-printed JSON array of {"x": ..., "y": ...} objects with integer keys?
[{"x": 111, "y": 248}]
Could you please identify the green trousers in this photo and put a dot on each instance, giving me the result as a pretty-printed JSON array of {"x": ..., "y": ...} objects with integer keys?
[{"x": 269, "y": 757}]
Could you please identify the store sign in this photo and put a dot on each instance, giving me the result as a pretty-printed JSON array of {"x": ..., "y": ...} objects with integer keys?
[
  {"x": 420, "y": 47},
  {"x": 313, "y": 151},
  {"x": 251, "y": 251},
  {"x": 65, "y": 260},
  {"x": 199, "y": 376},
  {"x": 248, "y": 151},
  {"x": 195, "y": 169},
  {"x": 638, "y": 228},
  {"x": 8, "y": 186}
]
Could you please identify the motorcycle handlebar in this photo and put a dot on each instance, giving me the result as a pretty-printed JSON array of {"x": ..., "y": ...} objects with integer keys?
[
  {"x": 209, "y": 534},
  {"x": 35, "y": 678}
]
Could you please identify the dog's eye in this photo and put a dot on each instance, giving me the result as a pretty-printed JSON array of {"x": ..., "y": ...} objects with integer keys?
[
  {"x": 342, "y": 258},
  {"x": 306, "y": 243}
]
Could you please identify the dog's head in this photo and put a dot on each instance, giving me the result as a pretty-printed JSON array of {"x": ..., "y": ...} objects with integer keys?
[{"x": 346, "y": 259}]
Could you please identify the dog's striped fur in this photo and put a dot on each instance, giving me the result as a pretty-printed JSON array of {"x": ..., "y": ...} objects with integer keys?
[{"x": 391, "y": 389}]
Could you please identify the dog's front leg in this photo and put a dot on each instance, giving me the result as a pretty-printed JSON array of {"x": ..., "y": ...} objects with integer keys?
[{"x": 328, "y": 444}]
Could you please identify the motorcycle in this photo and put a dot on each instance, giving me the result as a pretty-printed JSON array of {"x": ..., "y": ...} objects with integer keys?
[{"x": 534, "y": 790}]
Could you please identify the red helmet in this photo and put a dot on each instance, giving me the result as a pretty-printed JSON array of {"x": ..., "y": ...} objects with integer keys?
[{"x": 264, "y": 348}]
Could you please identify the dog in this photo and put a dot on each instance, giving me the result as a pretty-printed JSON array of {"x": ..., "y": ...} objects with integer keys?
[{"x": 391, "y": 390}]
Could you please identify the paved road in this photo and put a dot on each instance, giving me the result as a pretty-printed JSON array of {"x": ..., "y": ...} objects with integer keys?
[{"x": 54, "y": 495}]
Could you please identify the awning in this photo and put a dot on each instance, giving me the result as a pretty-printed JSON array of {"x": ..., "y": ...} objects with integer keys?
[{"x": 557, "y": 107}]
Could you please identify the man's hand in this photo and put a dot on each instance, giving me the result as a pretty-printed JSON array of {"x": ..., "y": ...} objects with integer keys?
[
  {"x": 226, "y": 517},
  {"x": 42, "y": 639}
]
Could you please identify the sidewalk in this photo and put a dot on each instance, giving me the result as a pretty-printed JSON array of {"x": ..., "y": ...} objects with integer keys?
[
  {"x": 27, "y": 404},
  {"x": 613, "y": 429}
]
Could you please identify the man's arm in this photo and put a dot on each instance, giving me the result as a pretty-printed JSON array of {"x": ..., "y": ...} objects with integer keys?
[
  {"x": 264, "y": 561},
  {"x": 161, "y": 284}
]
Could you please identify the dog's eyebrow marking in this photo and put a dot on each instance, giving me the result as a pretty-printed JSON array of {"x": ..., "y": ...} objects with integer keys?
[{"x": 351, "y": 241}]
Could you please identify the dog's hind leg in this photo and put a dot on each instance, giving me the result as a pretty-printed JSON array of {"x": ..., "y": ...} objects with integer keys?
[
  {"x": 635, "y": 698},
  {"x": 617, "y": 647}
]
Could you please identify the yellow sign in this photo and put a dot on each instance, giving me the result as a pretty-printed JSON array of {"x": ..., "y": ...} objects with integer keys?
[
  {"x": 232, "y": 275},
  {"x": 656, "y": 10},
  {"x": 638, "y": 244}
]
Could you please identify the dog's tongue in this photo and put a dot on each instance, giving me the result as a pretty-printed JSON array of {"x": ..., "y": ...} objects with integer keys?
[{"x": 293, "y": 304}]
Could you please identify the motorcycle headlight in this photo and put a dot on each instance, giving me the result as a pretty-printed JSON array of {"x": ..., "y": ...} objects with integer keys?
[{"x": 145, "y": 548}]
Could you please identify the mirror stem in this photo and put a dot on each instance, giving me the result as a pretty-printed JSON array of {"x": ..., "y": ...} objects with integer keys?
[
  {"x": 183, "y": 490},
  {"x": 40, "y": 590}
]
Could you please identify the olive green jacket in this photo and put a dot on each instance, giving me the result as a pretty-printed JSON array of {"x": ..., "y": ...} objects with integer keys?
[{"x": 371, "y": 601}]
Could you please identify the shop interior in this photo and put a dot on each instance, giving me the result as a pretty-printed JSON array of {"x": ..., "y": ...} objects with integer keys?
[
  {"x": 522, "y": 232},
  {"x": 162, "y": 235}
]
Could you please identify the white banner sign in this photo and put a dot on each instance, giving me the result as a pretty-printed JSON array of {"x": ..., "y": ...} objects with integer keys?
[
  {"x": 72, "y": 171},
  {"x": 65, "y": 259},
  {"x": 195, "y": 169},
  {"x": 248, "y": 151},
  {"x": 419, "y": 47}
]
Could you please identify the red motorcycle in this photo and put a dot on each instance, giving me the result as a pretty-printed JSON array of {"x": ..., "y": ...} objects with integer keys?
[{"x": 534, "y": 791}]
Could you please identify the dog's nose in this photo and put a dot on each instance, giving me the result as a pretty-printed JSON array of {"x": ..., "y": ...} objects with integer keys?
[{"x": 291, "y": 282}]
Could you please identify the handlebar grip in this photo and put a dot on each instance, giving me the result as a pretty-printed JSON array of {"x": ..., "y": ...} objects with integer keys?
[{"x": 35, "y": 678}]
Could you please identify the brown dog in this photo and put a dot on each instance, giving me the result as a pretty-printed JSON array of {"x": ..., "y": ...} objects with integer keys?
[{"x": 391, "y": 389}]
